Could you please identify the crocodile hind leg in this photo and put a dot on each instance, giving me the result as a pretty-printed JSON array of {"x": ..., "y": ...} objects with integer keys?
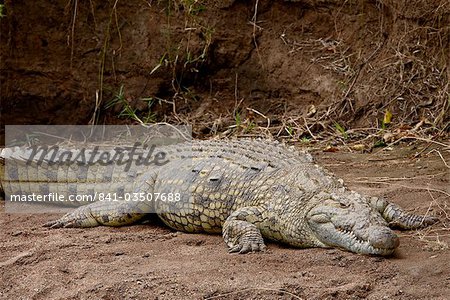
[
  {"x": 398, "y": 218},
  {"x": 240, "y": 230},
  {"x": 117, "y": 213}
]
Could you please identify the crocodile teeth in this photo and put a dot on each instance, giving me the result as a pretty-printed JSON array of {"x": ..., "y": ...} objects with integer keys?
[{"x": 360, "y": 244}]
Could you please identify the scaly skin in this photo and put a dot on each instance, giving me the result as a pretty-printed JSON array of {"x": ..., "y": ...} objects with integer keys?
[{"x": 249, "y": 191}]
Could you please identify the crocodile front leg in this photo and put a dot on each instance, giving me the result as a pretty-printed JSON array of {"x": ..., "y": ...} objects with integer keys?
[
  {"x": 398, "y": 218},
  {"x": 240, "y": 230},
  {"x": 118, "y": 213}
]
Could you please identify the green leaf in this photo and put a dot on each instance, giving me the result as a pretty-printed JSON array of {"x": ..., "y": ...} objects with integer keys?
[
  {"x": 387, "y": 117},
  {"x": 341, "y": 130}
]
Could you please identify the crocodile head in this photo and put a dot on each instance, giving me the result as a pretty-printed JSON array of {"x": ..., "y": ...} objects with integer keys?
[{"x": 349, "y": 222}]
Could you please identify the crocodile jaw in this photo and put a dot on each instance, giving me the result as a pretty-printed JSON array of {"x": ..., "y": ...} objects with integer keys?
[
  {"x": 348, "y": 222},
  {"x": 377, "y": 240},
  {"x": 389, "y": 241}
]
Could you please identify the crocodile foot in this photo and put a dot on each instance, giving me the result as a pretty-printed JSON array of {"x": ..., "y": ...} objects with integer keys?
[
  {"x": 118, "y": 213},
  {"x": 242, "y": 237},
  {"x": 246, "y": 245},
  {"x": 81, "y": 217}
]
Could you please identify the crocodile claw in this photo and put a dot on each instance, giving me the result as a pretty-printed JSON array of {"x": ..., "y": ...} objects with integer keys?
[
  {"x": 63, "y": 222},
  {"x": 243, "y": 248},
  {"x": 52, "y": 224},
  {"x": 70, "y": 220},
  {"x": 57, "y": 224}
]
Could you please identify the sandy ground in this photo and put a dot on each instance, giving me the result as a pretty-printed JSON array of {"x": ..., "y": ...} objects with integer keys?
[{"x": 149, "y": 261}]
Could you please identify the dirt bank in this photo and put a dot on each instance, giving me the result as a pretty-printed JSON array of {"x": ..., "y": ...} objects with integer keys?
[{"x": 214, "y": 63}]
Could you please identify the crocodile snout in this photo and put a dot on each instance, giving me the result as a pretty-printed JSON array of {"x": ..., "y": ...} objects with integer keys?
[{"x": 383, "y": 237}]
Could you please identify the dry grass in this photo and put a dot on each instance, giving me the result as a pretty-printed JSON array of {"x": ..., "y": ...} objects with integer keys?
[{"x": 405, "y": 74}]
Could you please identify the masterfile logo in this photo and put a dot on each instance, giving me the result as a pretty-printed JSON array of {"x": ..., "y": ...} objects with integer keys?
[
  {"x": 54, "y": 168},
  {"x": 140, "y": 155}
]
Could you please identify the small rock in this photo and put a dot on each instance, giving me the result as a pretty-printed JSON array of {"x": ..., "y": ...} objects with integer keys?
[
  {"x": 358, "y": 147},
  {"x": 342, "y": 264}
]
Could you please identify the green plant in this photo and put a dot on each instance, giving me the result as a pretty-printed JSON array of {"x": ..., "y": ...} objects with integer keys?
[
  {"x": 289, "y": 130},
  {"x": 113, "y": 21},
  {"x": 237, "y": 119},
  {"x": 150, "y": 117},
  {"x": 379, "y": 143},
  {"x": 2, "y": 11},
  {"x": 162, "y": 60},
  {"x": 305, "y": 140},
  {"x": 119, "y": 98},
  {"x": 341, "y": 130},
  {"x": 250, "y": 126},
  {"x": 129, "y": 112},
  {"x": 192, "y": 7},
  {"x": 184, "y": 53},
  {"x": 386, "y": 119}
]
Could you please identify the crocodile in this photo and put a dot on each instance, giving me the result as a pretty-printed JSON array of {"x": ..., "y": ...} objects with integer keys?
[{"x": 248, "y": 190}]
